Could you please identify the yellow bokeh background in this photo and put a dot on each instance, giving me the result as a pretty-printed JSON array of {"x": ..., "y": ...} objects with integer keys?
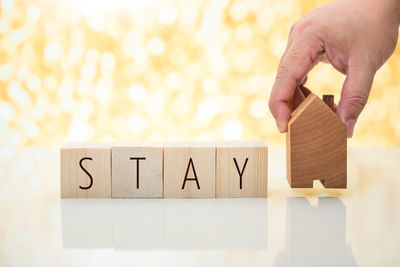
[{"x": 160, "y": 70}]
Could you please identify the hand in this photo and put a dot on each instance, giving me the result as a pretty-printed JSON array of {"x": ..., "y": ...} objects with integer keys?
[{"x": 355, "y": 37}]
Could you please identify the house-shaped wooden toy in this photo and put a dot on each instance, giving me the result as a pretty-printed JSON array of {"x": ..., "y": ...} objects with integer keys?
[{"x": 316, "y": 145}]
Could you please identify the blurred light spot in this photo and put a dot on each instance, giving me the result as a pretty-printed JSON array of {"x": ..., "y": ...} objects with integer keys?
[
  {"x": 66, "y": 89},
  {"x": 4, "y": 26},
  {"x": 103, "y": 91},
  {"x": 244, "y": 61},
  {"x": 39, "y": 110},
  {"x": 18, "y": 95},
  {"x": 181, "y": 105},
  {"x": 75, "y": 54},
  {"x": 265, "y": 19},
  {"x": 17, "y": 37},
  {"x": 211, "y": 85},
  {"x": 139, "y": 54},
  {"x": 137, "y": 93},
  {"x": 52, "y": 51},
  {"x": 244, "y": 33},
  {"x": 174, "y": 81},
  {"x": 50, "y": 83},
  {"x": 277, "y": 46},
  {"x": 258, "y": 108},
  {"x": 167, "y": 15},
  {"x": 92, "y": 56},
  {"x": 23, "y": 73},
  {"x": 80, "y": 130},
  {"x": 88, "y": 70},
  {"x": 29, "y": 128},
  {"x": 154, "y": 104},
  {"x": 136, "y": 124},
  {"x": 6, "y": 72},
  {"x": 232, "y": 129},
  {"x": 107, "y": 61},
  {"x": 13, "y": 137},
  {"x": 7, "y": 5},
  {"x": 34, "y": 83},
  {"x": 207, "y": 109},
  {"x": 84, "y": 87},
  {"x": 156, "y": 46},
  {"x": 33, "y": 13},
  {"x": 84, "y": 109},
  {"x": 6, "y": 112},
  {"x": 238, "y": 11}
]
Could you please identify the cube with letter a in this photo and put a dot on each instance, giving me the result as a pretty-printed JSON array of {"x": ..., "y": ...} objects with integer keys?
[{"x": 189, "y": 170}]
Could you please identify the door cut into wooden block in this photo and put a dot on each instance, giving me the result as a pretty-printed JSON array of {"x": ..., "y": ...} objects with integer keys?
[
  {"x": 86, "y": 170},
  {"x": 137, "y": 170},
  {"x": 189, "y": 170},
  {"x": 242, "y": 169}
]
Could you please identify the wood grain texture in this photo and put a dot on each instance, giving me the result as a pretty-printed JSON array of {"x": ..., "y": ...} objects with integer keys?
[
  {"x": 242, "y": 169},
  {"x": 137, "y": 169},
  {"x": 190, "y": 160},
  {"x": 316, "y": 146},
  {"x": 85, "y": 170}
]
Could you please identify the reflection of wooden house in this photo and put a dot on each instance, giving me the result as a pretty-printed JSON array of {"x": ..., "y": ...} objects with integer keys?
[{"x": 316, "y": 145}]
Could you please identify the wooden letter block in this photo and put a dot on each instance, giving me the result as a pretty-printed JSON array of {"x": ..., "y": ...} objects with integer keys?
[
  {"x": 316, "y": 145},
  {"x": 137, "y": 170},
  {"x": 242, "y": 169},
  {"x": 86, "y": 170},
  {"x": 189, "y": 170}
]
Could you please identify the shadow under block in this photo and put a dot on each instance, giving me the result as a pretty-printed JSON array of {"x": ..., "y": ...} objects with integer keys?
[
  {"x": 189, "y": 170},
  {"x": 137, "y": 170},
  {"x": 86, "y": 170},
  {"x": 316, "y": 146},
  {"x": 242, "y": 169}
]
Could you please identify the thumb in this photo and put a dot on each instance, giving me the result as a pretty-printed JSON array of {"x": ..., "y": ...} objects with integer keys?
[{"x": 354, "y": 95}]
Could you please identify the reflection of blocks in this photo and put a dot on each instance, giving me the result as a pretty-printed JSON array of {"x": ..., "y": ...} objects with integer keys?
[
  {"x": 138, "y": 224},
  {"x": 190, "y": 224},
  {"x": 316, "y": 146},
  {"x": 241, "y": 223},
  {"x": 86, "y": 170},
  {"x": 189, "y": 170},
  {"x": 242, "y": 169},
  {"x": 86, "y": 224},
  {"x": 137, "y": 170},
  {"x": 324, "y": 228}
]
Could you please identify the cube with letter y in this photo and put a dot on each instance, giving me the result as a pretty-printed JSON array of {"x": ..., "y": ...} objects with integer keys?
[
  {"x": 189, "y": 170},
  {"x": 242, "y": 169},
  {"x": 86, "y": 170}
]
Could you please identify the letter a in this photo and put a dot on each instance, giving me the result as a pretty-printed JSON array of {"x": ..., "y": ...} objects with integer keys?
[{"x": 190, "y": 179}]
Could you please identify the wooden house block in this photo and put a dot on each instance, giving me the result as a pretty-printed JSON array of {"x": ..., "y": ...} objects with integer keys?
[
  {"x": 137, "y": 170},
  {"x": 316, "y": 145},
  {"x": 189, "y": 170},
  {"x": 242, "y": 169},
  {"x": 86, "y": 170}
]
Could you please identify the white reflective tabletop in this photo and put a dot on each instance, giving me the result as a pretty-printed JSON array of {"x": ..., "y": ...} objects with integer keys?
[{"x": 359, "y": 226}]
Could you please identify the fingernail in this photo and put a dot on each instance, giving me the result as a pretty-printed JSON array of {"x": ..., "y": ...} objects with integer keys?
[
  {"x": 281, "y": 126},
  {"x": 350, "y": 127}
]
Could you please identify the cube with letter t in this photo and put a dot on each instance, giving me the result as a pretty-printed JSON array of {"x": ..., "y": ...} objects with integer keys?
[
  {"x": 137, "y": 169},
  {"x": 86, "y": 170},
  {"x": 189, "y": 170}
]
